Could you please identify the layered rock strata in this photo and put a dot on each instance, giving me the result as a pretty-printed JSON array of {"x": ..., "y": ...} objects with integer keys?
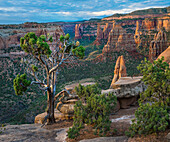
[
  {"x": 99, "y": 35},
  {"x": 127, "y": 90},
  {"x": 119, "y": 40},
  {"x": 158, "y": 45}
]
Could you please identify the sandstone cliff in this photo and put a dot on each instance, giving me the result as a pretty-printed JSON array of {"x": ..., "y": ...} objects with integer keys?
[
  {"x": 158, "y": 45},
  {"x": 99, "y": 35},
  {"x": 118, "y": 40}
]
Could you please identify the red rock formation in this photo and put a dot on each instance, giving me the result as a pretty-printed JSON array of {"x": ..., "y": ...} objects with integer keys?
[
  {"x": 166, "y": 55},
  {"x": 78, "y": 31},
  {"x": 138, "y": 33},
  {"x": 14, "y": 39},
  {"x": 106, "y": 30},
  {"x": 149, "y": 24},
  {"x": 118, "y": 40},
  {"x": 158, "y": 45},
  {"x": 99, "y": 36},
  {"x": 120, "y": 70}
]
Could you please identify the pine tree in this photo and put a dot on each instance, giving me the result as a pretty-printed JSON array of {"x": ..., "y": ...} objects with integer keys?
[{"x": 47, "y": 62}]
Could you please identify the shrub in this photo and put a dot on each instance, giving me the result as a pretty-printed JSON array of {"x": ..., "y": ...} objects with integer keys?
[
  {"x": 153, "y": 117},
  {"x": 95, "y": 112},
  {"x": 150, "y": 118},
  {"x": 84, "y": 92}
]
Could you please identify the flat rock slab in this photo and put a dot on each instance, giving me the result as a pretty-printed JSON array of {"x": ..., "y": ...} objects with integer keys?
[
  {"x": 127, "y": 81},
  {"x": 57, "y": 115},
  {"x": 107, "y": 139},
  {"x": 32, "y": 133},
  {"x": 72, "y": 86}
]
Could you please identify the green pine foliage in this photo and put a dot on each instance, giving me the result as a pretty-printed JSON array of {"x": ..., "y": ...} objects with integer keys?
[
  {"x": 150, "y": 118},
  {"x": 157, "y": 78},
  {"x": 30, "y": 43},
  {"x": 153, "y": 117},
  {"x": 85, "y": 92},
  {"x": 94, "y": 112},
  {"x": 20, "y": 84}
]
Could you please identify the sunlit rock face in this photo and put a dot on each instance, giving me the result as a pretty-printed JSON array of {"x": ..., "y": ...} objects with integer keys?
[
  {"x": 120, "y": 70},
  {"x": 119, "y": 40},
  {"x": 78, "y": 31},
  {"x": 166, "y": 55},
  {"x": 158, "y": 45}
]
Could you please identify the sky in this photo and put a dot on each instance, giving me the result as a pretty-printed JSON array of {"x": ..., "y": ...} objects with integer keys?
[{"x": 20, "y": 11}]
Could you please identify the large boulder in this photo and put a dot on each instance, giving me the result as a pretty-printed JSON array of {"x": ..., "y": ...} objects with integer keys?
[{"x": 127, "y": 90}]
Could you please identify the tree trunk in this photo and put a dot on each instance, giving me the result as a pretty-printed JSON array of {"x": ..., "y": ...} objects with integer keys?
[{"x": 50, "y": 108}]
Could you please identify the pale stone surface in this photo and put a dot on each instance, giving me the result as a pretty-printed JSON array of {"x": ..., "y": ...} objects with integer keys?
[
  {"x": 57, "y": 115},
  {"x": 127, "y": 90},
  {"x": 107, "y": 139},
  {"x": 32, "y": 133}
]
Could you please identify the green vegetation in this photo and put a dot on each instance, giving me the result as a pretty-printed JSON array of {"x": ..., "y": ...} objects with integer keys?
[
  {"x": 153, "y": 117},
  {"x": 39, "y": 49},
  {"x": 20, "y": 84},
  {"x": 95, "y": 112}
]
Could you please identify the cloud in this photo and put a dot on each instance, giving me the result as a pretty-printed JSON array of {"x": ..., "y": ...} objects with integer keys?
[
  {"x": 69, "y": 10},
  {"x": 14, "y": 9}
]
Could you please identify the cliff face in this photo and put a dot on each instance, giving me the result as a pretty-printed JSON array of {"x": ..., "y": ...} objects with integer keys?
[
  {"x": 99, "y": 35},
  {"x": 118, "y": 40},
  {"x": 106, "y": 30},
  {"x": 11, "y": 37},
  {"x": 158, "y": 45},
  {"x": 156, "y": 24}
]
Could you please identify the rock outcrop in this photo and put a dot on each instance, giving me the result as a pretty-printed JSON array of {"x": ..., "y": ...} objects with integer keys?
[
  {"x": 106, "y": 30},
  {"x": 120, "y": 70},
  {"x": 119, "y": 40},
  {"x": 99, "y": 35},
  {"x": 65, "y": 107},
  {"x": 138, "y": 33},
  {"x": 127, "y": 90},
  {"x": 166, "y": 55},
  {"x": 32, "y": 133},
  {"x": 158, "y": 45},
  {"x": 78, "y": 31}
]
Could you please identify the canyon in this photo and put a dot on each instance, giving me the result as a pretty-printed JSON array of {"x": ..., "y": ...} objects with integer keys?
[{"x": 104, "y": 39}]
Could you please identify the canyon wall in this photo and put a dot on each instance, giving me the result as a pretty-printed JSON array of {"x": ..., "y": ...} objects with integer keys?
[
  {"x": 158, "y": 45},
  {"x": 11, "y": 37}
]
